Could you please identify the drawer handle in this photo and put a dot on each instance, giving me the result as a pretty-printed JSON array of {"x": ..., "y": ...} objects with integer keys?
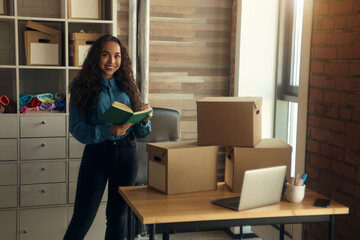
[
  {"x": 43, "y": 122},
  {"x": 43, "y": 190},
  {"x": 43, "y": 168},
  {"x": 43, "y": 144},
  {"x": 25, "y": 231}
]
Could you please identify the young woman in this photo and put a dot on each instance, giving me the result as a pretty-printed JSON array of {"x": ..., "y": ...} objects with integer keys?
[{"x": 110, "y": 151}]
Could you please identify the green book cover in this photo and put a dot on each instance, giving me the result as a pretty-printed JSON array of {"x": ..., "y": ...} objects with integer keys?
[{"x": 119, "y": 114}]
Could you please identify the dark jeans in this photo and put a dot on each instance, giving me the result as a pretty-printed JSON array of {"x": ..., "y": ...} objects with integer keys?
[{"x": 113, "y": 161}]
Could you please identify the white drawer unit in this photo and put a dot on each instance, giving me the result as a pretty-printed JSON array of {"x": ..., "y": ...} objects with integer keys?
[
  {"x": 42, "y": 172},
  {"x": 8, "y": 225},
  {"x": 8, "y": 196},
  {"x": 74, "y": 167},
  {"x": 8, "y": 174},
  {"x": 8, "y": 149},
  {"x": 72, "y": 192},
  {"x": 42, "y": 148},
  {"x": 11, "y": 123},
  {"x": 42, "y": 126},
  {"x": 42, "y": 194},
  {"x": 43, "y": 224},
  {"x": 76, "y": 148}
]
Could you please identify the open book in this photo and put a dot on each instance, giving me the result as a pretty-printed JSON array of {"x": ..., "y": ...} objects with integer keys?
[{"x": 119, "y": 114}]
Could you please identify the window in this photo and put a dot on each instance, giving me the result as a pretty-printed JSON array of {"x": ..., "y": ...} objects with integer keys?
[{"x": 289, "y": 51}]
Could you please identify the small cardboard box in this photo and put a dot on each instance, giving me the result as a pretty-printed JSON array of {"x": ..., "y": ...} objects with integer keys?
[
  {"x": 42, "y": 44},
  {"x": 182, "y": 167},
  {"x": 229, "y": 121},
  {"x": 80, "y": 44},
  {"x": 267, "y": 153},
  {"x": 3, "y": 7},
  {"x": 84, "y": 9}
]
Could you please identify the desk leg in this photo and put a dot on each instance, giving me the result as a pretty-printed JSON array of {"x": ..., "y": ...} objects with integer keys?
[
  {"x": 130, "y": 225},
  {"x": 282, "y": 231},
  {"x": 331, "y": 227},
  {"x": 165, "y": 236},
  {"x": 152, "y": 231}
]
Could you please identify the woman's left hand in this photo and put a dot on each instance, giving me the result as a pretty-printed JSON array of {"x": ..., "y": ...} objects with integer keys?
[
  {"x": 145, "y": 107},
  {"x": 119, "y": 130}
]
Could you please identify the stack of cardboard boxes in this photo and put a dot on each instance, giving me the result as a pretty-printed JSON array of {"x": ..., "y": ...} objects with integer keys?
[
  {"x": 234, "y": 122},
  {"x": 43, "y": 44}
]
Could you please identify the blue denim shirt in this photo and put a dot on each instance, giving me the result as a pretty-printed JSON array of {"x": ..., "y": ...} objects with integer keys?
[{"x": 95, "y": 130}]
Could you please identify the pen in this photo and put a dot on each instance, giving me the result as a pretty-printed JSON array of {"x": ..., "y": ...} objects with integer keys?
[
  {"x": 303, "y": 177},
  {"x": 292, "y": 182},
  {"x": 299, "y": 182},
  {"x": 297, "y": 178}
]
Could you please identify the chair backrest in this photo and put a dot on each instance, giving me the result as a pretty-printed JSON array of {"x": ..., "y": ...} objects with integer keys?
[{"x": 165, "y": 127}]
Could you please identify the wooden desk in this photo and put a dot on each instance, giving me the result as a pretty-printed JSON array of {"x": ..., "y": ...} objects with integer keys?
[{"x": 184, "y": 211}]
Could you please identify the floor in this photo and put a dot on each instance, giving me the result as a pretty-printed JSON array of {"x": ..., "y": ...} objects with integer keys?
[{"x": 210, "y": 235}]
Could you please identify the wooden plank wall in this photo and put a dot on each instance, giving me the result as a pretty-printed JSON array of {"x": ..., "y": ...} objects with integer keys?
[{"x": 189, "y": 53}]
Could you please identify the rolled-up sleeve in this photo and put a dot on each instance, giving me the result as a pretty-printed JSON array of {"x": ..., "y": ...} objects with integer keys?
[{"x": 141, "y": 130}]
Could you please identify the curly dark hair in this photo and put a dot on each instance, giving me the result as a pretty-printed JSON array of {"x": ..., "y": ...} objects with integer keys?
[{"x": 86, "y": 86}]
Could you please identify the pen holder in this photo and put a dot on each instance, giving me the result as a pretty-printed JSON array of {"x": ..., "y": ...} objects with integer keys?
[{"x": 295, "y": 194}]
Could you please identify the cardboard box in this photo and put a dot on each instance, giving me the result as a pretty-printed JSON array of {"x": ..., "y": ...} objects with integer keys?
[
  {"x": 267, "y": 153},
  {"x": 84, "y": 9},
  {"x": 229, "y": 121},
  {"x": 42, "y": 44},
  {"x": 182, "y": 167},
  {"x": 80, "y": 44},
  {"x": 3, "y": 7}
]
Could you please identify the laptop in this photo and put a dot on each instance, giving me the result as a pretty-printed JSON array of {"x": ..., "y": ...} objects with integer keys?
[{"x": 261, "y": 187}]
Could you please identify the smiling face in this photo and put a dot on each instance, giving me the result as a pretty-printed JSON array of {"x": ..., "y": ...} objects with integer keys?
[{"x": 110, "y": 59}]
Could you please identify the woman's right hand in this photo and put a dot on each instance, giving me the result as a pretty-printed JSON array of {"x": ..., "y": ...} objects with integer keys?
[{"x": 119, "y": 130}]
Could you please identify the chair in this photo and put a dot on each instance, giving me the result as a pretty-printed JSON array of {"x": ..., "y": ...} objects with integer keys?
[{"x": 165, "y": 125}]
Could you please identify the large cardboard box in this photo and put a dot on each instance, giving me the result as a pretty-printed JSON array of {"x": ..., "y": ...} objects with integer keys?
[
  {"x": 42, "y": 44},
  {"x": 80, "y": 44},
  {"x": 229, "y": 121},
  {"x": 84, "y": 9},
  {"x": 182, "y": 167},
  {"x": 267, "y": 153}
]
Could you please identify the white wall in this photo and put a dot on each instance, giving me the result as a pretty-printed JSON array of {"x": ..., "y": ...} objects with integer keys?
[{"x": 255, "y": 59}]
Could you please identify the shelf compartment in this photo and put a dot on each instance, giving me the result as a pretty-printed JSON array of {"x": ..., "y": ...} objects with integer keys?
[
  {"x": 38, "y": 81},
  {"x": 43, "y": 9},
  {"x": 8, "y": 88},
  {"x": 52, "y": 24},
  {"x": 7, "y": 43}
]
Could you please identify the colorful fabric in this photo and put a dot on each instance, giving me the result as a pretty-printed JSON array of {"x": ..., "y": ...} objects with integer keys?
[
  {"x": 43, "y": 96},
  {"x": 25, "y": 99},
  {"x": 34, "y": 102},
  {"x": 25, "y": 109},
  {"x": 48, "y": 100},
  {"x": 11, "y": 107},
  {"x": 4, "y": 100},
  {"x": 47, "y": 106},
  {"x": 59, "y": 96},
  {"x": 60, "y": 105}
]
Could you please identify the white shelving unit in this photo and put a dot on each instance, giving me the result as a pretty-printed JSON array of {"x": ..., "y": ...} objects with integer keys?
[{"x": 39, "y": 159}]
